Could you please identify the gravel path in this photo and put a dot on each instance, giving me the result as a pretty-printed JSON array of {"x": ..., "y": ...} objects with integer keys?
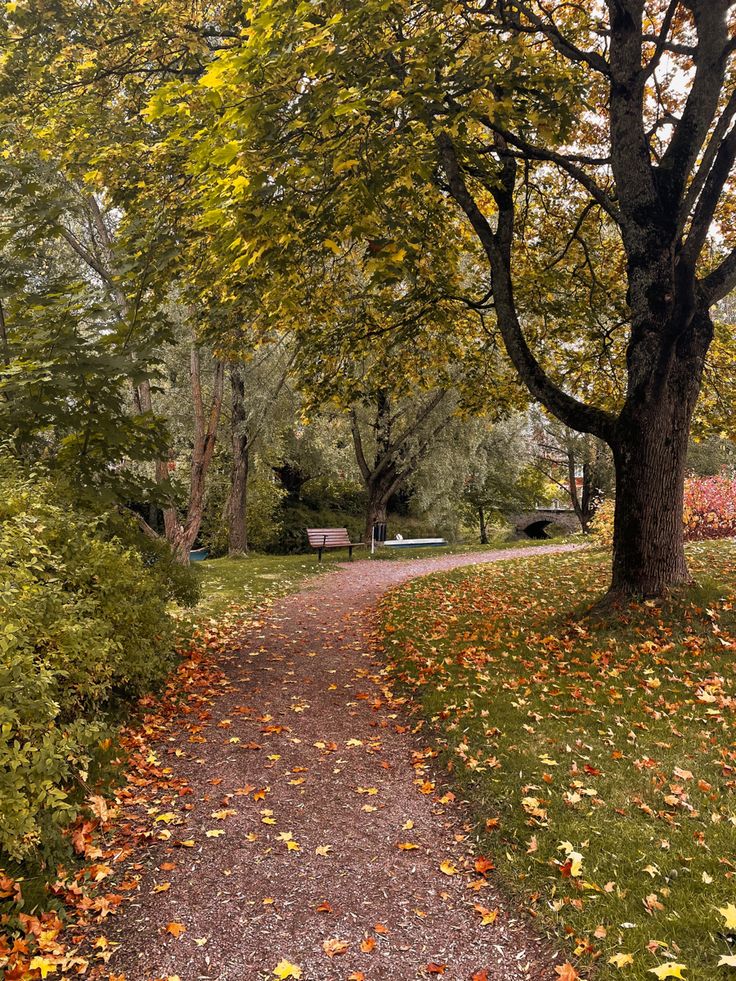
[{"x": 311, "y": 781}]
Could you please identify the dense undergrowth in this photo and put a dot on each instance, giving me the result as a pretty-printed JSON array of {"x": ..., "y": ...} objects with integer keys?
[
  {"x": 85, "y": 630},
  {"x": 598, "y": 755}
]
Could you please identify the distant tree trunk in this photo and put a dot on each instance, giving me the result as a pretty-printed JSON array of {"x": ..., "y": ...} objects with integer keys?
[
  {"x": 483, "y": 529},
  {"x": 375, "y": 512},
  {"x": 182, "y": 534},
  {"x": 238, "y": 496}
]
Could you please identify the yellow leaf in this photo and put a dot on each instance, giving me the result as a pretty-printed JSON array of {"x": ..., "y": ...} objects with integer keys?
[
  {"x": 488, "y": 916},
  {"x": 728, "y": 912},
  {"x": 668, "y": 970},
  {"x": 42, "y": 965},
  {"x": 214, "y": 834},
  {"x": 448, "y": 868},
  {"x": 285, "y": 969},
  {"x": 621, "y": 960}
]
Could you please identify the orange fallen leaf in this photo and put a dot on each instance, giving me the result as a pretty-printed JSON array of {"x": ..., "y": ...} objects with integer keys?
[
  {"x": 367, "y": 945},
  {"x": 483, "y": 865},
  {"x": 176, "y": 929},
  {"x": 335, "y": 947},
  {"x": 436, "y": 968},
  {"x": 566, "y": 972}
]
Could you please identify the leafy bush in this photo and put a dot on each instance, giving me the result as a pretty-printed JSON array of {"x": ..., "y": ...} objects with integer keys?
[
  {"x": 710, "y": 507},
  {"x": 601, "y": 527},
  {"x": 83, "y": 625},
  {"x": 709, "y": 512}
]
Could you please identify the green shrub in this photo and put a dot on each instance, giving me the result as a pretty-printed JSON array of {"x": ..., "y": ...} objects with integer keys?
[{"x": 83, "y": 625}]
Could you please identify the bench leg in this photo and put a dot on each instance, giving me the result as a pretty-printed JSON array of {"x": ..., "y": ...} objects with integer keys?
[
  {"x": 350, "y": 553},
  {"x": 319, "y": 553}
]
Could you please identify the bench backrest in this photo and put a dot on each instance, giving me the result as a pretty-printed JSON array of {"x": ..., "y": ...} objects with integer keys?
[{"x": 328, "y": 537}]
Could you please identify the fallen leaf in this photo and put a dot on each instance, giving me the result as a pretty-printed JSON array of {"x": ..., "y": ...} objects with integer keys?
[
  {"x": 335, "y": 947},
  {"x": 448, "y": 868},
  {"x": 566, "y": 972},
  {"x": 176, "y": 929},
  {"x": 488, "y": 916},
  {"x": 668, "y": 970},
  {"x": 621, "y": 960},
  {"x": 728, "y": 912},
  {"x": 285, "y": 969}
]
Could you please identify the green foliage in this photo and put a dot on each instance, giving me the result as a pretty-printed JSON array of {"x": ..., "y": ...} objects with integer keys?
[
  {"x": 264, "y": 519},
  {"x": 84, "y": 627},
  {"x": 295, "y": 519}
]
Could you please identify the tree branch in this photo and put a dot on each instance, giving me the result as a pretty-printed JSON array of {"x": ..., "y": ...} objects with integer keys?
[
  {"x": 497, "y": 247},
  {"x": 721, "y": 281}
]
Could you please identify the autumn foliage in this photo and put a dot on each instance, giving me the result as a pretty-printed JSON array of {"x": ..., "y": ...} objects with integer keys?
[
  {"x": 710, "y": 507},
  {"x": 597, "y": 754},
  {"x": 709, "y": 512}
]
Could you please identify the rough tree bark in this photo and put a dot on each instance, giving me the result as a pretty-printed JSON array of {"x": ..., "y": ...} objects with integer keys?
[
  {"x": 183, "y": 533},
  {"x": 240, "y": 445},
  {"x": 664, "y": 205}
]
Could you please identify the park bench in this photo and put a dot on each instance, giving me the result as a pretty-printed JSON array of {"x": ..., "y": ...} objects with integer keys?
[{"x": 323, "y": 538}]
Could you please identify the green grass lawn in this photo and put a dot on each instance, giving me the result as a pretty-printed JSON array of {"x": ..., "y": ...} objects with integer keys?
[
  {"x": 248, "y": 581},
  {"x": 598, "y": 755}
]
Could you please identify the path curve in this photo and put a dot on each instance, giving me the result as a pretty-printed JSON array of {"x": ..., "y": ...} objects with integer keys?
[{"x": 304, "y": 721}]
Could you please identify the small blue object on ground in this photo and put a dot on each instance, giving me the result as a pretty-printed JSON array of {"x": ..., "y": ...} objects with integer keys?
[{"x": 197, "y": 554}]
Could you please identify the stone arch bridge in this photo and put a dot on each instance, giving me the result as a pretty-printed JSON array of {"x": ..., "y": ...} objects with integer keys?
[{"x": 544, "y": 522}]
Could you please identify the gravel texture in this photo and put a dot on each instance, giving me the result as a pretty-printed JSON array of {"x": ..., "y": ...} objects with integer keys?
[{"x": 311, "y": 777}]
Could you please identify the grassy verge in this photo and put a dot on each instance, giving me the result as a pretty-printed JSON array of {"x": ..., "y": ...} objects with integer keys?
[
  {"x": 599, "y": 756},
  {"x": 248, "y": 581}
]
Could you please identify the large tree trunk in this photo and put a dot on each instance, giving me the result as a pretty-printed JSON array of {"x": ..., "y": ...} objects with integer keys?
[
  {"x": 375, "y": 511},
  {"x": 648, "y": 548},
  {"x": 237, "y": 499},
  {"x": 650, "y": 452}
]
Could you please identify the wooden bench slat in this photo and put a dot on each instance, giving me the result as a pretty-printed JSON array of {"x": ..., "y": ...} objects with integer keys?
[{"x": 322, "y": 538}]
